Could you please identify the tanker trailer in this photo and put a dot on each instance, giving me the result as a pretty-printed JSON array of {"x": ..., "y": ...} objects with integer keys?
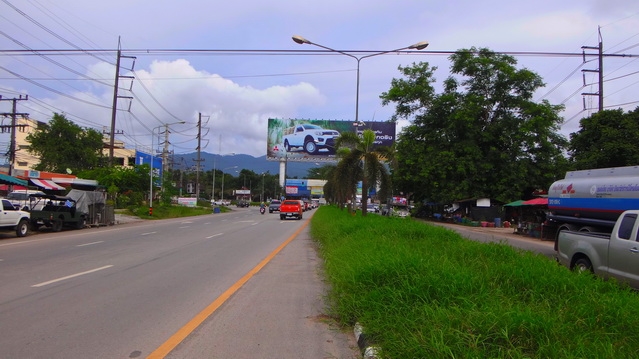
[{"x": 592, "y": 200}]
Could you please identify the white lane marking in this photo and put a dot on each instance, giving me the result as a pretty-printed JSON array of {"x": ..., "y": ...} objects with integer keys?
[
  {"x": 70, "y": 276},
  {"x": 88, "y": 244},
  {"x": 148, "y": 233},
  {"x": 215, "y": 235},
  {"x": 183, "y": 227}
]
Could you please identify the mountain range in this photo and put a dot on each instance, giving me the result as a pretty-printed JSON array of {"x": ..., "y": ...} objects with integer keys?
[{"x": 256, "y": 164}]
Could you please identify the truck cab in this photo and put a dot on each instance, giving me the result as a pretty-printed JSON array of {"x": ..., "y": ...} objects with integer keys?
[
  {"x": 614, "y": 255},
  {"x": 12, "y": 219}
]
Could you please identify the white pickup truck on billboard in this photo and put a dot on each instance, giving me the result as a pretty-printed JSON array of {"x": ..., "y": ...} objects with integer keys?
[{"x": 311, "y": 138}]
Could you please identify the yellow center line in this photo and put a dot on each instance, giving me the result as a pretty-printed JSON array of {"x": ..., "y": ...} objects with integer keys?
[{"x": 170, "y": 344}]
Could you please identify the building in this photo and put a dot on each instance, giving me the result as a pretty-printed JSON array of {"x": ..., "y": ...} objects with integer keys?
[{"x": 25, "y": 161}]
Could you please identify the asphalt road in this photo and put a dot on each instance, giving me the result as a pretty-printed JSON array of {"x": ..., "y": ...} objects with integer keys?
[
  {"x": 503, "y": 235},
  {"x": 231, "y": 285}
]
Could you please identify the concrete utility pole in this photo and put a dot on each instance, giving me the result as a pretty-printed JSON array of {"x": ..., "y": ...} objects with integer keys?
[
  {"x": 198, "y": 160},
  {"x": 600, "y": 71},
  {"x": 13, "y": 114},
  {"x": 114, "y": 109}
]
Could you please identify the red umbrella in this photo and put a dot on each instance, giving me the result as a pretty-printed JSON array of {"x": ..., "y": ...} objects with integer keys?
[{"x": 539, "y": 201}]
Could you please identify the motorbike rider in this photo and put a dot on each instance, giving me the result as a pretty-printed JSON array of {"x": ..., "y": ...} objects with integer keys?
[{"x": 262, "y": 207}]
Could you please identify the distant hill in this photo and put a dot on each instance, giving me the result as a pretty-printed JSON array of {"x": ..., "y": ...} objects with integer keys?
[{"x": 255, "y": 164}]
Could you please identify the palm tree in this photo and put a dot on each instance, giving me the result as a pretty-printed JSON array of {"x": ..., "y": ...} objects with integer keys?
[{"x": 359, "y": 160}]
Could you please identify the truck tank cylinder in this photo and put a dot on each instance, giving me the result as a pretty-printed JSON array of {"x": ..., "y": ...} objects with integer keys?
[{"x": 600, "y": 193}]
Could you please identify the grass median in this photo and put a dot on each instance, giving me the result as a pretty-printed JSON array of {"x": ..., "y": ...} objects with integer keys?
[{"x": 423, "y": 291}]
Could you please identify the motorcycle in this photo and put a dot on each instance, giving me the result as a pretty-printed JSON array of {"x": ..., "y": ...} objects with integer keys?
[{"x": 262, "y": 210}]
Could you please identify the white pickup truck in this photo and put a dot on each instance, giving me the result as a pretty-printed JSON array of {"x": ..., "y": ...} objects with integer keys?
[
  {"x": 14, "y": 220},
  {"x": 609, "y": 255},
  {"x": 311, "y": 138}
]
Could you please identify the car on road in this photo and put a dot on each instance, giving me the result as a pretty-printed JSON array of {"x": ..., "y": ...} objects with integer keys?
[
  {"x": 372, "y": 208},
  {"x": 274, "y": 206},
  {"x": 291, "y": 208},
  {"x": 243, "y": 203}
]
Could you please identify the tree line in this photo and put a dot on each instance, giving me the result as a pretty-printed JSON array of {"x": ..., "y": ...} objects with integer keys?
[{"x": 482, "y": 135}]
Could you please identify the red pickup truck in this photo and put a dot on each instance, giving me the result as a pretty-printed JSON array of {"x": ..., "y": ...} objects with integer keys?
[{"x": 291, "y": 208}]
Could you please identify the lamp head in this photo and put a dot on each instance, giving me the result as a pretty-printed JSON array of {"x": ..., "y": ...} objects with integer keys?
[
  {"x": 419, "y": 46},
  {"x": 300, "y": 40}
]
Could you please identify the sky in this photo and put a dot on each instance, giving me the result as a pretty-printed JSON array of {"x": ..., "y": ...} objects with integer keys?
[{"x": 234, "y": 64}]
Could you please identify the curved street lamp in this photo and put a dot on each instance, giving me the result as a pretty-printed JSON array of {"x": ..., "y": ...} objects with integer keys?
[
  {"x": 151, "y": 167},
  {"x": 214, "y": 163},
  {"x": 223, "y": 180},
  {"x": 418, "y": 46}
]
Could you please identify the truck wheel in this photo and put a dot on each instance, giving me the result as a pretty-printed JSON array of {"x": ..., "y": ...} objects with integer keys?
[
  {"x": 22, "y": 229},
  {"x": 310, "y": 147},
  {"x": 282, "y": 217},
  {"x": 81, "y": 223},
  {"x": 287, "y": 146},
  {"x": 57, "y": 225},
  {"x": 582, "y": 265}
]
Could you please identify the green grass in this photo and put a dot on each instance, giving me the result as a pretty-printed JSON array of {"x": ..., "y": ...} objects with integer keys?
[
  {"x": 422, "y": 291},
  {"x": 173, "y": 211}
]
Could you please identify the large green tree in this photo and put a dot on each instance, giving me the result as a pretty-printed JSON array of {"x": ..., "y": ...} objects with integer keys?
[
  {"x": 606, "y": 139},
  {"x": 483, "y": 136},
  {"x": 61, "y": 144},
  {"x": 125, "y": 186}
]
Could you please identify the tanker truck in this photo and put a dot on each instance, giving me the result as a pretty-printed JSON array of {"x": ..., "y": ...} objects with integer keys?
[{"x": 592, "y": 200}]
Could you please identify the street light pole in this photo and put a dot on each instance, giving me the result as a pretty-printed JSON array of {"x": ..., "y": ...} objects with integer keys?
[
  {"x": 262, "y": 195},
  {"x": 214, "y": 162},
  {"x": 223, "y": 180},
  {"x": 151, "y": 166},
  {"x": 418, "y": 46}
]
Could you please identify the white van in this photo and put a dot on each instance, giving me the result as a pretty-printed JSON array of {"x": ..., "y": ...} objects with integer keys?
[{"x": 20, "y": 199}]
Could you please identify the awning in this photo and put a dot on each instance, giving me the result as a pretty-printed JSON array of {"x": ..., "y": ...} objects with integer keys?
[
  {"x": 5, "y": 187},
  {"x": 516, "y": 203},
  {"x": 6, "y": 179},
  {"x": 46, "y": 184},
  {"x": 541, "y": 201}
]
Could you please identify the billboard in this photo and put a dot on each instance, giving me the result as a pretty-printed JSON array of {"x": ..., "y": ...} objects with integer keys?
[
  {"x": 314, "y": 140},
  {"x": 142, "y": 158}
]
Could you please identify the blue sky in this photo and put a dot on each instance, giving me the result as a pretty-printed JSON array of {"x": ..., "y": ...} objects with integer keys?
[{"x": 237, "y": 93}]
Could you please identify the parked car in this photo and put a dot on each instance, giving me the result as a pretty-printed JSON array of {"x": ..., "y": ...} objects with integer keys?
[
  {"x": 372, "y": 207},
  {"x": 220, "y": 202},
  {"x": 13, "y": 220},
  {"x": 609, "y": 255},
  {"x": 20, "y": 199},
  {"x": 274, "y": 206},
  {"x": 58, "y": 212}
]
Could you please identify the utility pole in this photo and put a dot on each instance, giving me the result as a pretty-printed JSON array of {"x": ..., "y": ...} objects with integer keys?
[
  {"x": 600, "y": 71},
  {"x": 13, "y": 114},
  {"x": 114, "y": 108},
  {"x": 198, "y": 160}
]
